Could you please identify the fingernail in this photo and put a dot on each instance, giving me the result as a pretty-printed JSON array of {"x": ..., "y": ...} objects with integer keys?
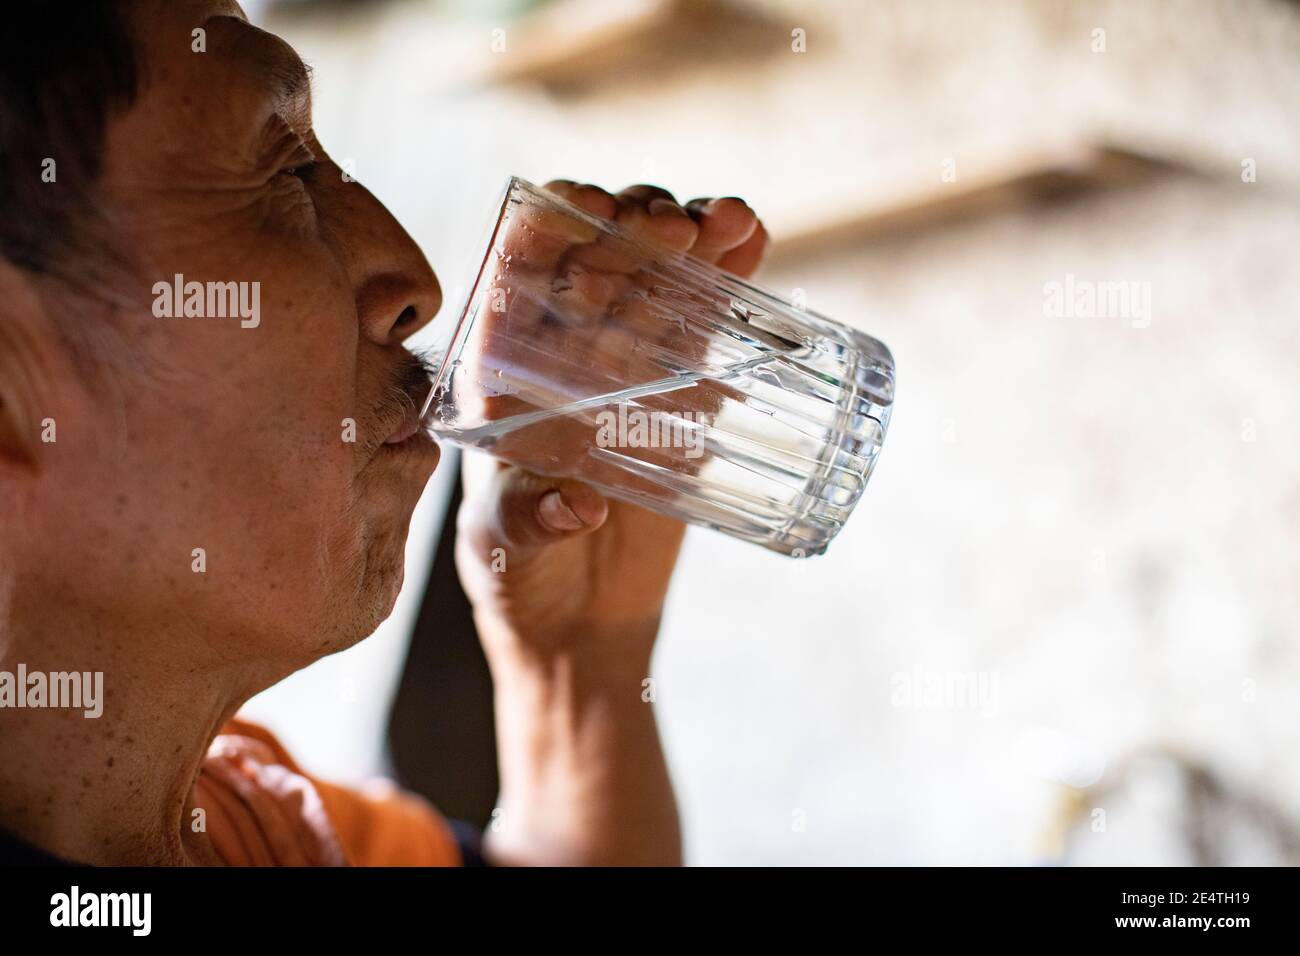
[
  {"x": 657, "y": 206},
  {"x": 715, "y": 204},
  {"x": 556, "y": 514}
]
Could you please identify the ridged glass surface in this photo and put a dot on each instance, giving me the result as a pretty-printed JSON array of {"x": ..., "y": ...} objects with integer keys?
[{"x": 661, "y": 380}]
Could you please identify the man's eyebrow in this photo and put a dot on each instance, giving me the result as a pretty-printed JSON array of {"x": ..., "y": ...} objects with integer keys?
[
  {"x": 287, "y": 77},
  {"x": 290, "y": 80}
]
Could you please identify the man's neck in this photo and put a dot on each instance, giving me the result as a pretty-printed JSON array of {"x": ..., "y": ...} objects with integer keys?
[{"x": 114, "y": 789}]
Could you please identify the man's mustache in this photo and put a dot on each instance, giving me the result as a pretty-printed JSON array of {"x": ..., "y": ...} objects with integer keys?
[
  {"x": 414, "y": 375},
  {"x": 408, "y": 387}
]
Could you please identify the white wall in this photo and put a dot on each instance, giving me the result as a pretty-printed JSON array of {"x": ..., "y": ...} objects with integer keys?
[{"x": 1096, "y": 520}]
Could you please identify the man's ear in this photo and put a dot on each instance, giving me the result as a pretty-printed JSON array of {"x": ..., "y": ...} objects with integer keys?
[
  {"x": 13, "y": 448},
  {"x": 21, "y": 315}
]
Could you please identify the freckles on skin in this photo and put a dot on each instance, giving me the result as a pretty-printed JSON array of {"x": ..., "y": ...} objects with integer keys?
[
  {"x": 253, "y": 419},
  {"x": 211, "y": 132}
]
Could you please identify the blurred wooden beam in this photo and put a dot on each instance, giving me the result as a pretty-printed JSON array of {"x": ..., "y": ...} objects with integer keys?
[
  {"x": 983, "y": 184},
  {"x": 573, "y": 45}
]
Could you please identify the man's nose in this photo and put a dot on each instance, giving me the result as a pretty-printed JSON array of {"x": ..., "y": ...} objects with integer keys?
[
  {"x": 396, "y": 303},
  {"x": 396, "y": 291}
]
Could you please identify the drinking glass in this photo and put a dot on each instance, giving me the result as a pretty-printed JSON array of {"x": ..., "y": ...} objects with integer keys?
[{"x": 584, "y": 352}]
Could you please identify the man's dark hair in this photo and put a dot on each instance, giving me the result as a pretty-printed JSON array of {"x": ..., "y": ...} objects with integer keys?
[{"x": 65, "y": 68}]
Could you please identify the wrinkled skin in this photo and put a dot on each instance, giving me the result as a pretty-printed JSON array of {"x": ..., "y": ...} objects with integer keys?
[
  {"x": 204, "y": 524},
  {"x": 610, "y": 584}
]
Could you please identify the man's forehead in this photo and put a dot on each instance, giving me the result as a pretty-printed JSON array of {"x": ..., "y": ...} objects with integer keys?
[
  {"x": 221, "y": 92},
  {"x": 260, "y": 57},
  {"x": 194, "y": 12},
  {"x": 225, "y": 8},
  {"x": 266, "y": 59}
]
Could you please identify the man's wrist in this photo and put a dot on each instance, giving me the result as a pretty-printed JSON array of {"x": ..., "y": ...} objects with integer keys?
[
  {"x": 605, "y": 650},
  {"x": 584, "y": 655},
  {"x": 579, "y": 753}
]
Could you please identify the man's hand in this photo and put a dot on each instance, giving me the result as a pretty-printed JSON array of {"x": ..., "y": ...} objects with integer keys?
[
  {"x": 568, "y": 589},
  {"x": 582, "y": 573}
]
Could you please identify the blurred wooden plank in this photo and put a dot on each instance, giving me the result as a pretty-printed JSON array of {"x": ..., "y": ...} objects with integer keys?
[
  {"x": 574, "y": 45},
  {"x": 562, "y": 37},
  {"x": 983, "y": 184}
]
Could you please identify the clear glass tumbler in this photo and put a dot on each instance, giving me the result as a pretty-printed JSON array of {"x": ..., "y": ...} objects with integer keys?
[{"x": 583, "y": 352}]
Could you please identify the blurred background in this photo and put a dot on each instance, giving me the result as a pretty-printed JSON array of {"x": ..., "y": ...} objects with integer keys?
[{"x": 1062, "y": 626}]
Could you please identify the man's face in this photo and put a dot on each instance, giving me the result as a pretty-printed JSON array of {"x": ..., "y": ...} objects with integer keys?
[{"x": 258, "y": 438}]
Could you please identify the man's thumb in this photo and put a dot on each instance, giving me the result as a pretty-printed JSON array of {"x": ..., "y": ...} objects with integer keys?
[{"x": 529, "y": 511}]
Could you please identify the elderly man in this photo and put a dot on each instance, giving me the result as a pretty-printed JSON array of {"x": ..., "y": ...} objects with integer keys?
[{"x": 186, "y": 514}]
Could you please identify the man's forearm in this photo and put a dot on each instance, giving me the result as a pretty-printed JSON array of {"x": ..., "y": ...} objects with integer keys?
[{"x": 583, "y": 777}]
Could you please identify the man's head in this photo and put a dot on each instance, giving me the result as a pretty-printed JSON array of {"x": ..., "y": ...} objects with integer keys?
[{"x": 201, "y": 321}]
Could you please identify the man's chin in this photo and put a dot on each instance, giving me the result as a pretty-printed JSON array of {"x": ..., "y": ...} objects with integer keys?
[
  {"x": 387, "y": 502},
  {"x": 379, "y": 597},
  {"x": 354, "y": 613}
]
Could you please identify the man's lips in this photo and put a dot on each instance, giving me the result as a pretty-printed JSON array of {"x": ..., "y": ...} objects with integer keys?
[
  {"x": 412, "y": 444},
  {"x": 409, "y": 427}
]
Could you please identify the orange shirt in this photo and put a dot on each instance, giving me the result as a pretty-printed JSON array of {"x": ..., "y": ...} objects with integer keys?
[{"x": 260, "y": 809}]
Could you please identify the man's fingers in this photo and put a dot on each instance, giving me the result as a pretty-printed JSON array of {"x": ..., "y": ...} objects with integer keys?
[
  {"x": 593, "y": 199},
  {"x": 222, "y": 830},
  {"x": 725, "y": 224},
  {"x": 708, "y": 228},
  {"x": 746, "y": 257},
  {"x": 660, "y": 222},
  {"x": 643, "y": 193},
  {"x": 521, "y": 510},
  {"x": 651, "y": 213},
  {"x": 232, "y": 828},
  {"x": 556, "y": 515},
  {"x": 270, "y": 821}
]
